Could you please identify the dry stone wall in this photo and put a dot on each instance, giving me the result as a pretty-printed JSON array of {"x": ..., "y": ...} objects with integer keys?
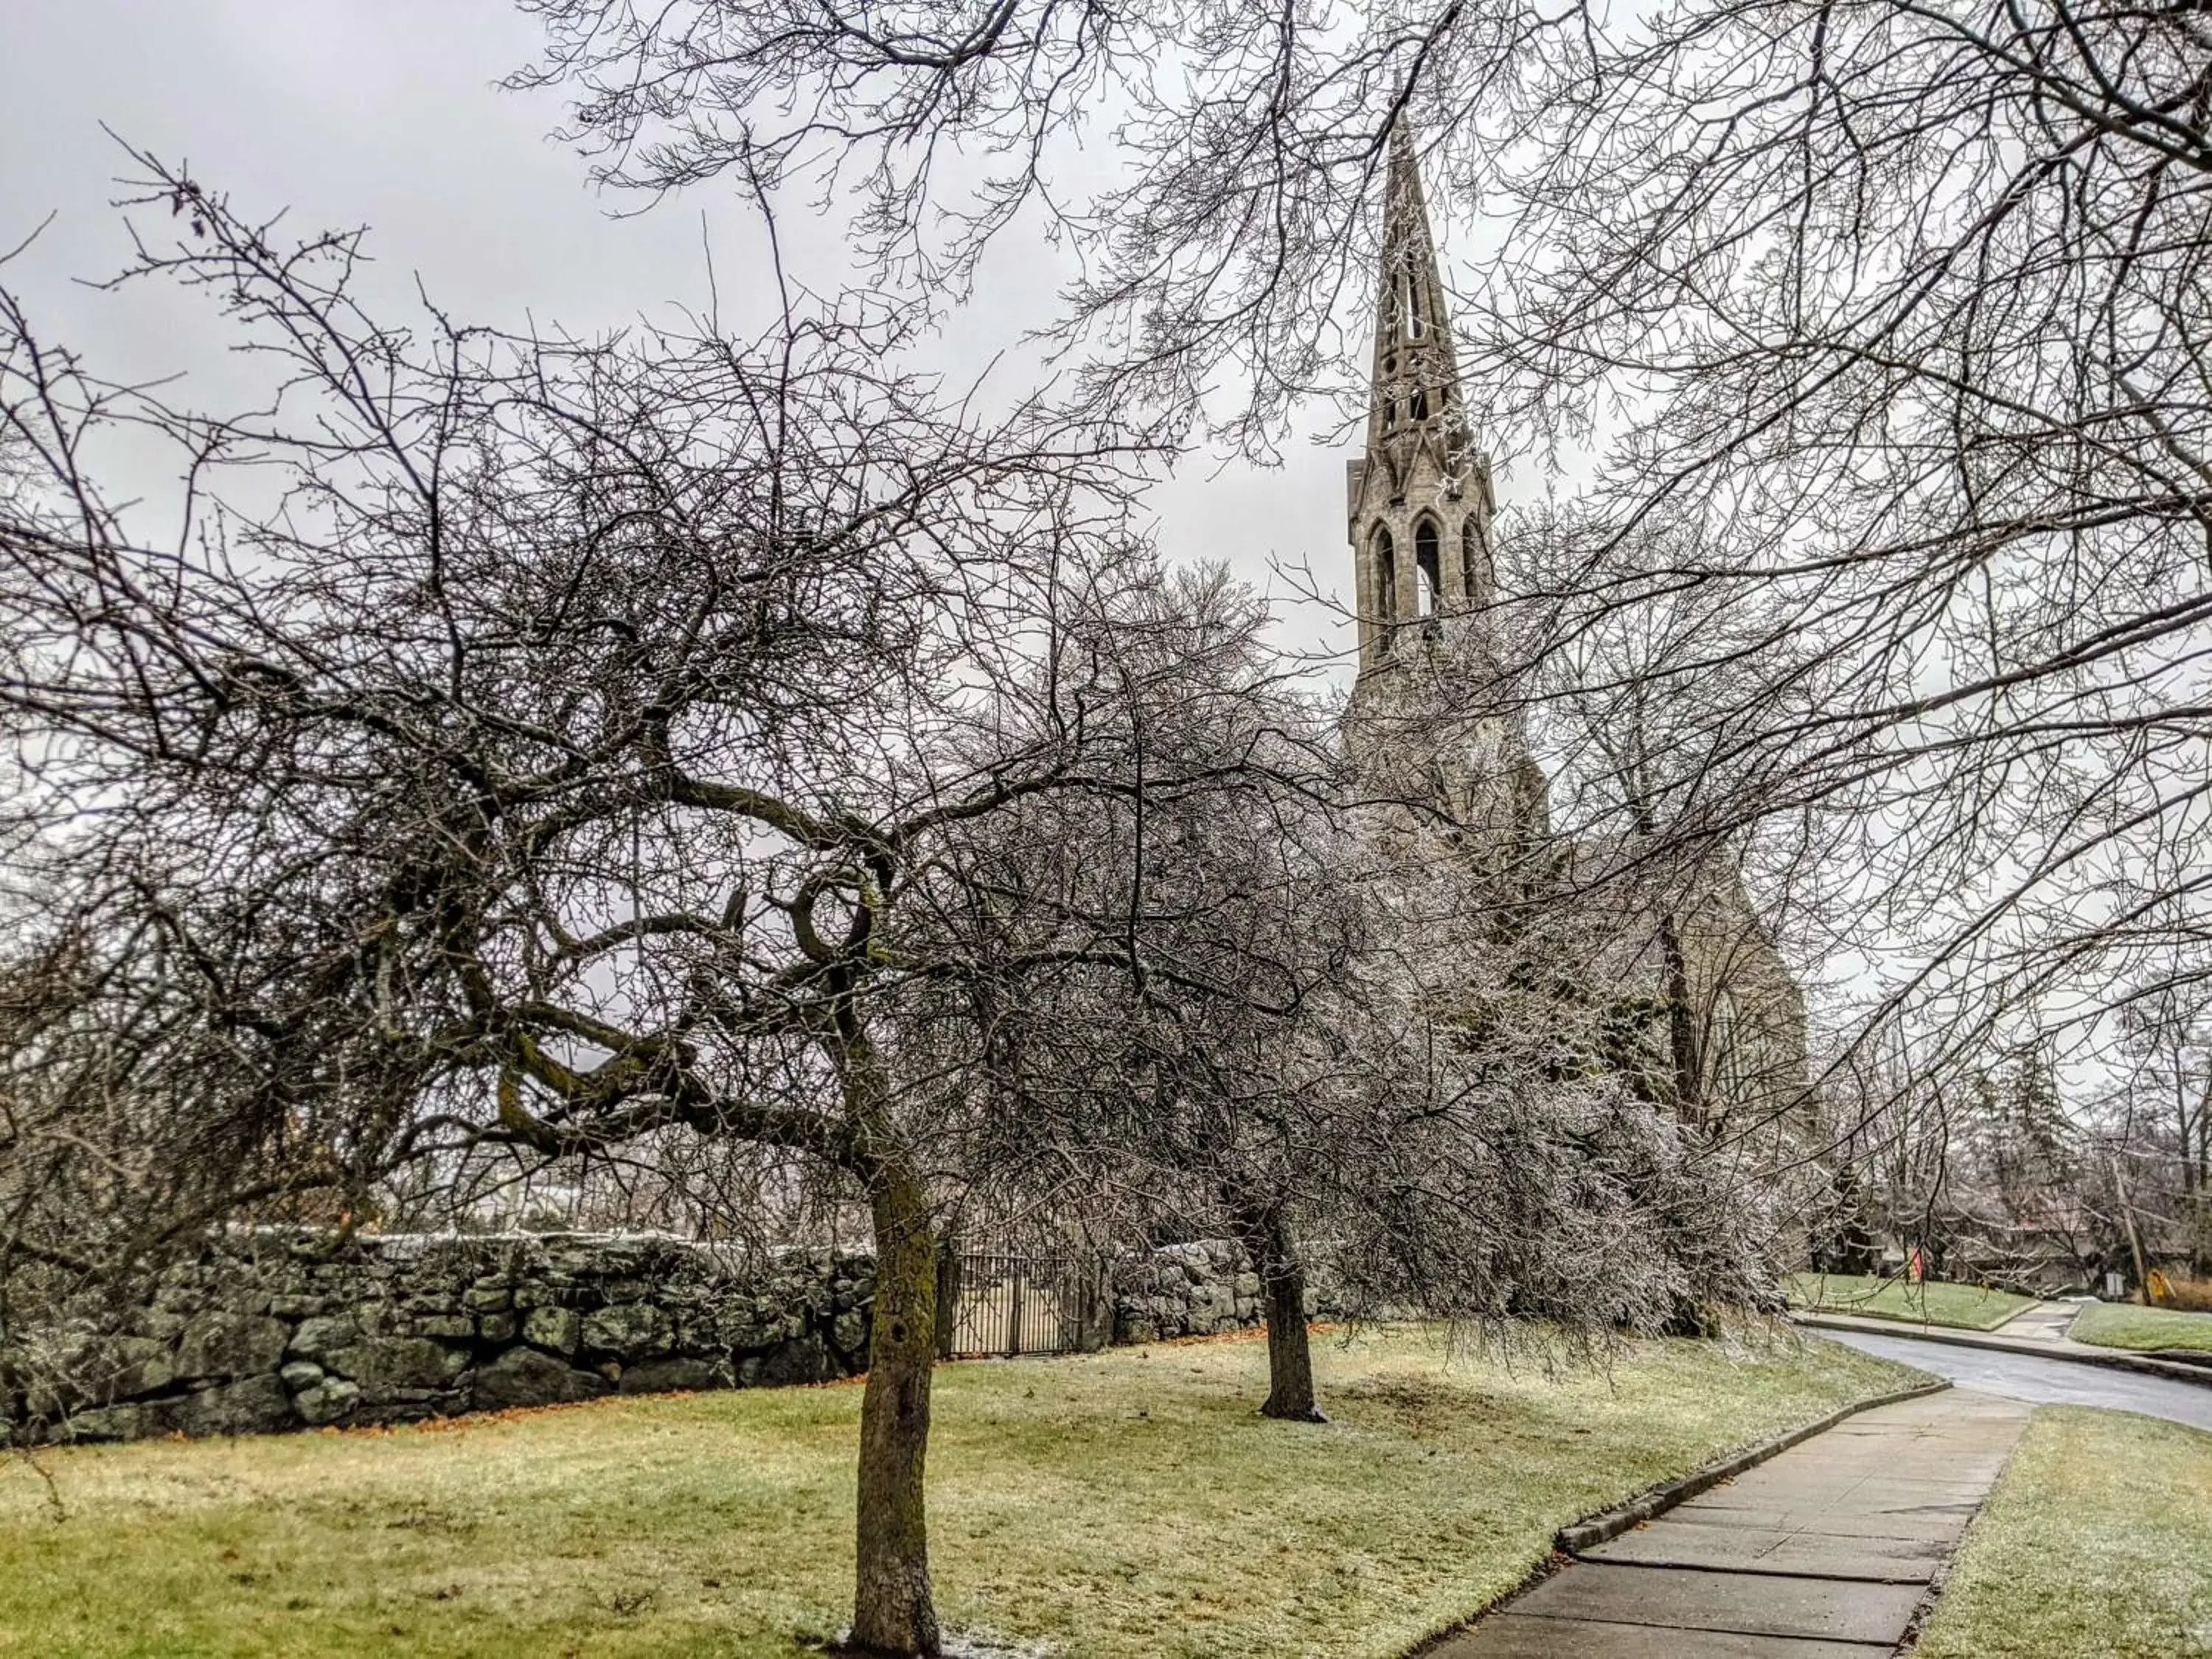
[
  {"x": 1202, "y": 1288},
  {"x": 397, "y": 1329},
  {"x": 1199, "y": 1289},
  {"x": 259, "y": 1336}
]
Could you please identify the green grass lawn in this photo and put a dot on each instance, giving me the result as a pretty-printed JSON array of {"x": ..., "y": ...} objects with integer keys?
[
  {"x": 2096, "y": 1545},
  {"x": 1969, "y": 1307},
  {"x": 1125, "y": 1504},
  {"x": 2116, "y": 1325}
]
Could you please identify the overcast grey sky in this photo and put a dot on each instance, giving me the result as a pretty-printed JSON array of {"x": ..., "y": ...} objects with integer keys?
[
  {"x": 387, "y": 114},
  {"x": 347, "y": 112}
]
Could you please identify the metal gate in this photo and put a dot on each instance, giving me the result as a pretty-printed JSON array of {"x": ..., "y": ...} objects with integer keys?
[{"x": 1006, "y": 1301}]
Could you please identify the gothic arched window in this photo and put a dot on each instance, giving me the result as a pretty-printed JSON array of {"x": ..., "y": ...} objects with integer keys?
[
  {"x": 1386, "y": 583},
  {"x": 1429, "y": 571},
  {"x": 1414, "y": 320},
  {"x": 1420, "y": 404}
]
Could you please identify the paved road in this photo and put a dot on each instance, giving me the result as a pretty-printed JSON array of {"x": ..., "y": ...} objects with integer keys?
[
  {"x": 2045, "y": 1381},
  {"x": 1822, "y": 1553}
]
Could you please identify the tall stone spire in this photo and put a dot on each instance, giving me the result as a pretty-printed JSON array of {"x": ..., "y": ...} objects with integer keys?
[{"x": 1419, "y": 500}]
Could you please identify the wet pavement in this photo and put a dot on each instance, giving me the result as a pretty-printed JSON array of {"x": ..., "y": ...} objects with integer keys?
[
  {"x": 2040, "y": 1381},
  {"x": 2042, "y": 1330},
  {"x": 1822, "y": 1553}
]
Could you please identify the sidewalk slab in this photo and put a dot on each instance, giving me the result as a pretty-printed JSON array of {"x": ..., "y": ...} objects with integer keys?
[
  {"x": 2043, "y": 1322},
  {"x": 1824, "y": 1552},
  {"x": 1941, "y": 1528},
  {"x": 1511, "y": 1635},
  {"x": 1744, "y": 1604},
  {"x": 1809, "y": 1554}
]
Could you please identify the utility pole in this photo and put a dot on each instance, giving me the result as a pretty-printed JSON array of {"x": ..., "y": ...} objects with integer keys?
[{"x": 2135, "y": 1239}]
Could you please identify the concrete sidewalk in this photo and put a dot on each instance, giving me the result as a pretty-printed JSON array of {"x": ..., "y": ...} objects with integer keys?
[
  {"x": 2042, "y": 1322},
  {"x": 1823, "y": 1552},
  {"x": 2039, "y": 1330}
]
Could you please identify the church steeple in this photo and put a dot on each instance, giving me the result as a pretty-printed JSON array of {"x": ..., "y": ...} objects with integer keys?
[{"x": 1420, "y": 504}]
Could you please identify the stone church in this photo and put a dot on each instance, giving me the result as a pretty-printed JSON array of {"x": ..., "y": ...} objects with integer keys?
[{"x": 1672, "y": 929}]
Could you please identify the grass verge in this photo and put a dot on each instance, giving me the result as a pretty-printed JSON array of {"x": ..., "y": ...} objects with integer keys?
[
  {"x": 1968, "y": 1307},
  {"x": 2096, "y": 1545},
  {"x": 2116, "y": 1325},
  {"x": 1130, "y": 1502}
]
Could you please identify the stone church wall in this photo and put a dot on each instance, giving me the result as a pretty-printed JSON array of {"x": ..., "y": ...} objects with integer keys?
[{"x": 399, "y": 1328}]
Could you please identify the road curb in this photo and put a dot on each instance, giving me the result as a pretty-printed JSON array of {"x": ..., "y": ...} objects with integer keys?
[
  {"x": 2196, "y": 1359},
  {"x": 1609, "y": 1524},
  {"x": 2115, "y": 1359}
]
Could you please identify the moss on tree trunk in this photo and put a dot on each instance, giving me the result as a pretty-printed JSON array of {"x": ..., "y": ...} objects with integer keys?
[{"x": 892, "y": 1612}]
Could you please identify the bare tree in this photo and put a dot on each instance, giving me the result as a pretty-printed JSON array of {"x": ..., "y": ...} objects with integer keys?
[
  {"x": 1231, "y": 1093},
  {"x": 1905, "y": 303},
  {"x": 532, "y": 747},
  {"x": 1667, "y": 726},
  {"x": 1235, "y": 1071},
  {"x": 2161, "y": 1120},
  {"x": 1241, "y": 148},
  {"x": 1535, "y": 1177},
  {"x": 1907, "y": 294},
  {"x": 1354, "y": 1065}
]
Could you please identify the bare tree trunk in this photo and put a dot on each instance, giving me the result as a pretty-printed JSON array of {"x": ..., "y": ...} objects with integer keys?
[
  {"x": 1290, "y": 1355},
  {"x": 1266, "y": 1239},
  {"x": 892, "y": 1612},
  {"x": 2183, "y": 1120}
]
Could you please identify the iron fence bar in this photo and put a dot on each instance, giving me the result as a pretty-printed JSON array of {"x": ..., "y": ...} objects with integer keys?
[{"x": 1012, "y": 1302}]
